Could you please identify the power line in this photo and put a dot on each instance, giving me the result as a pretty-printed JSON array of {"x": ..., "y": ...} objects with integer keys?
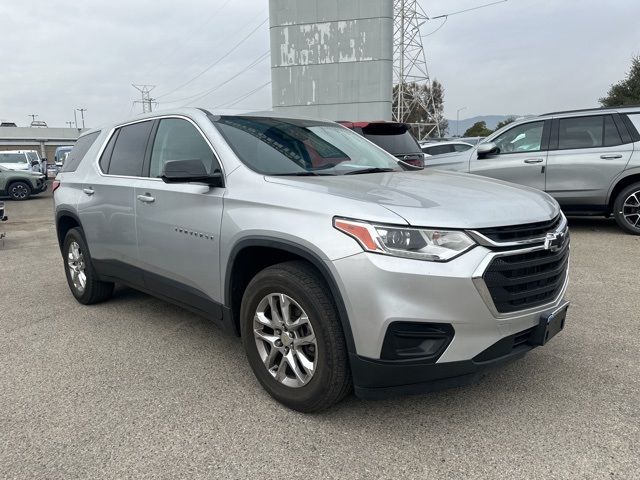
[
  {"x": 243, "y": 97},
  {"x": 468, "y": 9},
  {"x": 202, "y": 94},
  {"x": 217, "y": 61},
  {"x": 439, "y": 27}
]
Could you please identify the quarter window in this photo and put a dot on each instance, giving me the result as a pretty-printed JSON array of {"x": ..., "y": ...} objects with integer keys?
[
  {"x": 78, "y": 152},
  {"x": 522, "y": 138},
  {"x": 178, "y": 139},
  {"x": 588, "y": 132},
  {"x": 128, "y": 153}
]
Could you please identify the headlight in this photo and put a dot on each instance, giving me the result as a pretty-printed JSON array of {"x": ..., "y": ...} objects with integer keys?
[{"x": 423, "y": 244}]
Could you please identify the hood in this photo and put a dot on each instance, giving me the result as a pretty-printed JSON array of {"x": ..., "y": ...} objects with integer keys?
[{"x": 432, "y": 198}]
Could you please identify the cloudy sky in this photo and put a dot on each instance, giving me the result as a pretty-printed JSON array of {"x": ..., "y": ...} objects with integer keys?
[{"x": 523, "y": 56}]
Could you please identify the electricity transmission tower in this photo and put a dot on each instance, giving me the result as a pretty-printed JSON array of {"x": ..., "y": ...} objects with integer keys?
[
  {"x": 146, "y": 101},
  {"x": 410, "y": 66}
]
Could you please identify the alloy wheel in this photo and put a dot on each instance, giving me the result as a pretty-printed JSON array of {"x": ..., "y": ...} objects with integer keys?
[
  {"x": 285, "y": 340},
  {"x": 76, "y": 265},
  {"x": 631, "y": 209},
  {"x": 19, "y": 191}
]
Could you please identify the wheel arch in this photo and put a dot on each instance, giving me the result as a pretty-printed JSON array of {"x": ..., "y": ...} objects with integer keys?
[
  {"x": 622, "y": 183},
  {"x": 278, "y": 250},
  {"x": 65, "y": 221}
]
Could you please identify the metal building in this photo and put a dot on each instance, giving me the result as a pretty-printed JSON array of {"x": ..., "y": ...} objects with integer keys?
[{"x": 332, "y": 59}]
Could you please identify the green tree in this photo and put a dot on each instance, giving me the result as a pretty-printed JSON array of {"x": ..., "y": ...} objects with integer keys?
[
  {"x": 421, "y": 115},
  {"x": 504, "y": 122},
  {"x": 627, "y": 91},
  {"x": 478, "y": 129}
]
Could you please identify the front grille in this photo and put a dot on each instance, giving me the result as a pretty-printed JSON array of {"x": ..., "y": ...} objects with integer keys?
[
  {"x": 525, "y": 280},
  {"x": 527, "y": 231}
]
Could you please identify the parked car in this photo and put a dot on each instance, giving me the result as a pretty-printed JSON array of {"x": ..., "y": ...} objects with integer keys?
[
  {"x": 393, "y": 137},
  {"x": 588, "y": 160},
  {"x": 441, "y": 148},
  {"x": 20, "y": 160},
  {"x": 21, "y": 184},
  {"x": 61, "y": 154},
  {"x": 337, "y": 264}
]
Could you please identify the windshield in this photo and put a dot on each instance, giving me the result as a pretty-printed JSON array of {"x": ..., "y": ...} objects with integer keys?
[
  {"x": 276, "y": 146},
  {"x": 33, "y": 156},
  {"x": 13, "y": 158}
]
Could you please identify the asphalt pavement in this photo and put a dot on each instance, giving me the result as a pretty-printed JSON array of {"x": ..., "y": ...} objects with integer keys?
[{"x": 136, "y": 387}]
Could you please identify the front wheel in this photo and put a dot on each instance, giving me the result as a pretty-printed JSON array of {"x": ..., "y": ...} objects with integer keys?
[
  {"x": 293, "y": 337},
  {"x": 19, "y": 191},
  {"x": 626, "y": 209}
]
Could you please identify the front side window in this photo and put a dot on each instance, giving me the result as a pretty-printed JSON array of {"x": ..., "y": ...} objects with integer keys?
[
  {"x": 13, "y": 158},
  {"x": 178, "y": 139},
  {"x": 127, "y": 157},
  {"x": 588, "y": 132},
  {"x": 461, "y": 147},
  {"x": 522, "y": 138},
  {"x": 276, "y": 146}
]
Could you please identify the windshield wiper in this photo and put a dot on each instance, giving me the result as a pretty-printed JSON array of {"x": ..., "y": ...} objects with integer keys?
[
  {"x": 300, "y": 174},
  {"x": 370, "y": 170}
]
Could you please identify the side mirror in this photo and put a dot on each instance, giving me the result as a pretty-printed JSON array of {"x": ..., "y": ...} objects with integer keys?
[
  {"x": 184, "y": 171},
  {"x": 486, "y": 149}
]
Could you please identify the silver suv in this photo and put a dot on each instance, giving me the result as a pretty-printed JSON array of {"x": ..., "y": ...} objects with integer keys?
[
  {"x": 336, "y": 266},
  {"x": 588, "y": 160}
]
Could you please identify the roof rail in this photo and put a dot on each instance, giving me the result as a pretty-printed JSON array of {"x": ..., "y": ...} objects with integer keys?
[{"x": 594, "y": 109}]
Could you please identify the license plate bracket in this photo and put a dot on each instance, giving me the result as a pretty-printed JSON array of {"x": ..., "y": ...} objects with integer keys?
[{"x": 550, "y": 324}]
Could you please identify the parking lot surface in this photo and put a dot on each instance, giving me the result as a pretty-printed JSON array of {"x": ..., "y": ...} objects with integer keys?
[{"x": 136, "y": 387}]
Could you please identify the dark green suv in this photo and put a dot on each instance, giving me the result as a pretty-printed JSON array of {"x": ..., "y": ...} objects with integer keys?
[{"x": 19, "y": 184}]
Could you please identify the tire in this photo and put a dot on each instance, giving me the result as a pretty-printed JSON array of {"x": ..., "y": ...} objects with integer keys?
[
  {"x": 19, "y": 190},
  {"x": 330, "y": 379},
  {"x": 94, "y": 290},
  {"x": 626, "y": 209}
]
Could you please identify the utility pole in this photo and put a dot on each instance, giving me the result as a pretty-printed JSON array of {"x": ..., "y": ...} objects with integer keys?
[
  {"x": 75, "y": 117},
  {"x": 33, "y": 117},
  {"x": 70, "y": 124},
  {"x": 458, "y": 120},
  {"x": 410, "y": 66},
  {"x": 81, "y": 110},
  {"x": 146, "y": 100}
]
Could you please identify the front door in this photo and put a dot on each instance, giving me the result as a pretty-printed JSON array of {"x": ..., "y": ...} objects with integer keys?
[
  {"x": 178, "y": 225},
  {"x": 520, "y": 156}
]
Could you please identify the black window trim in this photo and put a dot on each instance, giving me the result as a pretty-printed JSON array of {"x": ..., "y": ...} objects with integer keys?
[
  {"x": 117, "y": 127},
  {"x": 631, "y": 128},
  {"x": 544, "y": 140},
  {"x": 555, "y": 142}
]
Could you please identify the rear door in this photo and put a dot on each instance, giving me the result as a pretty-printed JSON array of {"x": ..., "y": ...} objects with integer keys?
[
  {"x": 586, "y": 153},
  {"x": 107, "y": 205},
  {"x": 178, "y": 224},
  {"x": 521, "y": 155}
]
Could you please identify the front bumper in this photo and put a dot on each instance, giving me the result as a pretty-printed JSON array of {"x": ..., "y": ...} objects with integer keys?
[{"x": 379, "y": 290}]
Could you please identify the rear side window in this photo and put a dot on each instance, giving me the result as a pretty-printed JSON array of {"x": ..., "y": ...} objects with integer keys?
[
  {"x": 588, "y": 132},
  {"x": 78, "y": 152},
  {"x": 395, "y": 139},
  {"x": 130, "y": 146},
  {"x": 438, "y": 149}
]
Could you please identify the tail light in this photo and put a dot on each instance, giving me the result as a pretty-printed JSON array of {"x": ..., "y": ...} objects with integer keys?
[{"x": 55, "y": 185}]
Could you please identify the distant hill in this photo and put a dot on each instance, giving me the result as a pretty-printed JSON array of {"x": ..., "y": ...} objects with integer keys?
[{"x": 491, "y": 121}]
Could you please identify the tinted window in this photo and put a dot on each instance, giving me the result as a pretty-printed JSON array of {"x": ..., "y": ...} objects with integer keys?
[
  {"x": 106, "y": 154},
  {"x": 588, "y": 132},
  {"x": 178, "y": 139},
  {"x": 460, "y": 147},
  {"x": 78, "y": 152},
  {"x": 395, "y": 139},
  {"x": 288, "y": 147},
  {"x": 13, "y": 158},
  {"x": 522, "y": 138},
  {"x": 438, "y": 149},
  {"x": 128, "y": 153}
]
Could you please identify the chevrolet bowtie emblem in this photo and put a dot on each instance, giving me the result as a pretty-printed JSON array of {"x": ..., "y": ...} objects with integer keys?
[{"x": 553, "y": 241}]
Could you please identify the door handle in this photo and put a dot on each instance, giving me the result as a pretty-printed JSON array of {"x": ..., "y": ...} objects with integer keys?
[
  {"x": 89, "y": 191},
  {"x": 611, "y": 157},
  {"x": 146, "y": 198},
  {"x": 534, "y": 160}
]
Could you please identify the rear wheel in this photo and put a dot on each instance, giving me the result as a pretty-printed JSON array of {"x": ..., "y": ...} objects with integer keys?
[
  {"x": 19, "y": 191},
  {"x": 81, "y": 276},
  {"x": 293, "y": 338},
  {"x": 626, "y": 209}
]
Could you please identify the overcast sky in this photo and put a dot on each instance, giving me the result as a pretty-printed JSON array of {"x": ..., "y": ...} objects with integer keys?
[{"x": 523, "y": 56}]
